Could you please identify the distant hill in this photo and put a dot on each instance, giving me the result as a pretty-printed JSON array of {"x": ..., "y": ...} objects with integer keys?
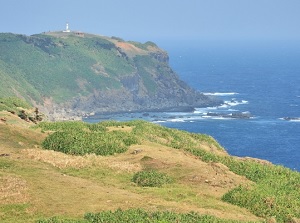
[{"x": 71, "y": 74}]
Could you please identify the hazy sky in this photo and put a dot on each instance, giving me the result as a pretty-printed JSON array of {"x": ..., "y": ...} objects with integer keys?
[{"x": 157, "y": 20}]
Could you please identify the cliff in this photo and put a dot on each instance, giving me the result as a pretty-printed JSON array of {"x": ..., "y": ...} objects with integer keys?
[{"x": 73, "y": 74}]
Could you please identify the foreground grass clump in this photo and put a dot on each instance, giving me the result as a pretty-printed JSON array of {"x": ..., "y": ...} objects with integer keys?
[
  {"x": 151, "y": 178},
  {"x": 79, "y": 138},
  {"x": 275, "y": 193},
  {"x": 174, "y": 138},
  {"x": 138, "y": 216}
]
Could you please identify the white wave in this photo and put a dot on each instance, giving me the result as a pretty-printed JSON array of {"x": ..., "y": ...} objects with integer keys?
[
  {"x": 234, "y": 103},
  {"x": 199, "y": 112},
  {"x": 160, "y": 121},
  {"x": 226, "y": 105},
  {"x": 185, "y": 119},
  {"x": 176, "y": 120},
  {"x": 220, "y": 93},
  {"x": 291, "y": 119},
  {"x": 204, "y": 110},
  {"x": 216, "y": 117},
  {"x": 212, "y": 108}
]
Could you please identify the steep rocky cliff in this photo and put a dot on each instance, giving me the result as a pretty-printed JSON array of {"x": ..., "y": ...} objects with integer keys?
[{"x": 74, "y": 74}]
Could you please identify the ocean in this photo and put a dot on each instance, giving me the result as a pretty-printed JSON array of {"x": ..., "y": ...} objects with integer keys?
[{"x": 261, "y": 80}]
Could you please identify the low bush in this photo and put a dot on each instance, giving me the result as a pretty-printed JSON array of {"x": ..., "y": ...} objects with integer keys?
[
  {"x": 79, "y": 138},
  {"x": 151, "y": 178}
]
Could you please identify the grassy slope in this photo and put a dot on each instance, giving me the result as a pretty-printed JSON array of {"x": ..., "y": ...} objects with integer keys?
[
  {"x": 63, "y": 66},
  {"x": 54, "y": 66},
  {"x": 38, "y": 183}
]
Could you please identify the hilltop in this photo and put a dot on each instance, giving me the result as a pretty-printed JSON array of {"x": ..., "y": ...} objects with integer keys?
[
  {"x": 74, "y": 74},
  {"x": 136, "y": 170}
]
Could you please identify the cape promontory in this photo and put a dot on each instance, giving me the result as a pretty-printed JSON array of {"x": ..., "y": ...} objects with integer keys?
[{"x": 67, "y": 74}]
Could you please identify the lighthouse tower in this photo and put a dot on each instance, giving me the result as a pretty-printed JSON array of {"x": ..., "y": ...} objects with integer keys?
[{"x": 67, "y": 28}]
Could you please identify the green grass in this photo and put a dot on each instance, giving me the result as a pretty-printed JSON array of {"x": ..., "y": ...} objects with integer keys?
[
  {"x": 5, "y": 164},
  {"x": 151, "y": 178},
  {"x": 140, "y": 215},
  {"x": 17, "y": 213},
  {"x": 13, "y": 104},
  {"x": 275, "y": 191},
  {"x": 80, "y": 138},
  {"x": 52, "y": 67}
]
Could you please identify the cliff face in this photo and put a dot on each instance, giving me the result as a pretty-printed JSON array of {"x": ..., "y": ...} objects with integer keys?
[{"x": 71, "y": 74}]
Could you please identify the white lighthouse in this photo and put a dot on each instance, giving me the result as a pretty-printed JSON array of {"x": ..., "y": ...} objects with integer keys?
[{"x": 67, "y": 28}]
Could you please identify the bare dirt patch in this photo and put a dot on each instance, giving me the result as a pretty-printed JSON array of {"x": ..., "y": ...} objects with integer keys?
[
  {"x": 99, "y": 69},
  {"x": 58, "y": 159},
  {"x": 13, "y": 190},
  {"x": 214, "y": 179},
  {"x": 62, "y": 161},
  {"x": 130, "y": 49},
  {"x": 120, "y": 128}
]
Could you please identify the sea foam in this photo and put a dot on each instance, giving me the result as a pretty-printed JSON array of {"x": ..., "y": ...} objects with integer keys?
[{"x": 220, "y": 93}]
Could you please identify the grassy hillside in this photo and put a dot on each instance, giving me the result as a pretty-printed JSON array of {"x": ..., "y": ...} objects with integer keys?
[
  {"x": 61, "y": 67},
  {"x": 50, "y": 173}
]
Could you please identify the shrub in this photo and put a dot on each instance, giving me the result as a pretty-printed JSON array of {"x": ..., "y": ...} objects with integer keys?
[
  {"x": 81, "y": 138},
  {"x": 151, "y": 178}
]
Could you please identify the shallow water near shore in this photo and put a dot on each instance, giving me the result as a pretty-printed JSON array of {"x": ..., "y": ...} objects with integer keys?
[{"x": 263, "y": 81}]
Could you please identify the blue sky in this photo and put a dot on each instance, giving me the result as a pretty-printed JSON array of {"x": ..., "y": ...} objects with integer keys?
[{"x": 157, "y": 20}]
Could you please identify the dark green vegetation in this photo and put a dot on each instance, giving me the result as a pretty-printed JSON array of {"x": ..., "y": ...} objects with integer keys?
[
  {"x": 54, "y": 67},
  {"x": 138, "y": 216},
  {"x": 274, "y": 193},
  {"x": 80, "y": 138},
  {"x": 83, "y": 73},
  {"x": 151, "y": 178}
]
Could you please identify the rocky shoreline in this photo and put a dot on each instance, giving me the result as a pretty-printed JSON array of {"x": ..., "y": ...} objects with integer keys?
[
  {"x": 65, "y": 114},
  {"x": 235, "y": 115}
]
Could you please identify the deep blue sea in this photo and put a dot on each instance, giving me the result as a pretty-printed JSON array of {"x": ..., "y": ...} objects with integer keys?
[{"x": 262, "y": 79}]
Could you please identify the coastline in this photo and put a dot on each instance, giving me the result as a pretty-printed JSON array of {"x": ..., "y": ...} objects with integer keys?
[{"x": 72, "y": 115}]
